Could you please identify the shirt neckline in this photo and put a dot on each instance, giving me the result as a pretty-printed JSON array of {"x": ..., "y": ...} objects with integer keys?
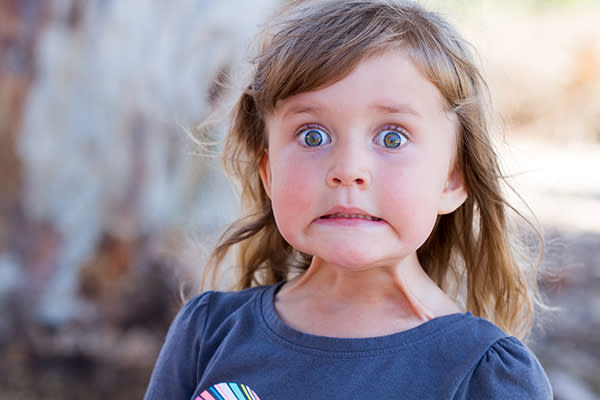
[{"x": 290, "y": 337}]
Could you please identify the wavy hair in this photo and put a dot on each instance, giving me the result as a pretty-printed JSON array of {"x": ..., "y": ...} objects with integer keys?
[{"x": 313, "y": 44}]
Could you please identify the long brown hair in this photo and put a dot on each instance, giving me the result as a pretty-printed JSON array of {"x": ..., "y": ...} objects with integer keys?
[{"x": 313, "y": 44}]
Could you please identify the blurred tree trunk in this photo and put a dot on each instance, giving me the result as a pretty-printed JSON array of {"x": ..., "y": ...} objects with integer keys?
[{"x": 101, "y": 184}]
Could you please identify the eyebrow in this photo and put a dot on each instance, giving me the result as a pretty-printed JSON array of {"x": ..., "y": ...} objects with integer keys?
[
  {"x": 396, "y": 109},
  {"x": 384, "y": 108},
  {"x": 296, "y": 109}
]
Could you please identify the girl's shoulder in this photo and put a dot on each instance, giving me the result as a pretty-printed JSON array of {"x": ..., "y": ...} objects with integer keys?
[
  {"x": 506, "y": 368},
  {"x": 212, "y": 306},
  {"x": 232, "y": 299},
  {"x": 194, "y": 335}
]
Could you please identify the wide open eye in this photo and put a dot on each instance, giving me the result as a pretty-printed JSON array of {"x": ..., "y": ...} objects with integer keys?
[
  {"x": 313, "y": 137},
  {"x": 390, "y": 139}
]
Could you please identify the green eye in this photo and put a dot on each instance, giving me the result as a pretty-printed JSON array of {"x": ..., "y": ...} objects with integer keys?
[
  {"x": 313, "y": 137},
  {"x": 390, "y": 139}
]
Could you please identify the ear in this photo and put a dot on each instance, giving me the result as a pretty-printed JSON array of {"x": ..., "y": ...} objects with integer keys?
[
  {"x": 454, "y": 193},
  {"x": 264, "y": 169}
]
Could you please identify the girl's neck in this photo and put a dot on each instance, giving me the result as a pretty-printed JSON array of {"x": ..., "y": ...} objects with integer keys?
[{"x": 333, "y": 301}]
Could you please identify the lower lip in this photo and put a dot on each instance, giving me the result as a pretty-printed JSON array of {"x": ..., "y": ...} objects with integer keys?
[{"x": 352, "y": 222}]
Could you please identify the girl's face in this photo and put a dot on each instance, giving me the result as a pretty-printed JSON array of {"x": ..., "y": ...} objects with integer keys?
[{"x": 358, "y": 171}]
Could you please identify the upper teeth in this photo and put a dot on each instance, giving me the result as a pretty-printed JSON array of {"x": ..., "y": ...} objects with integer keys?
[{"x": 342, "y": 215}]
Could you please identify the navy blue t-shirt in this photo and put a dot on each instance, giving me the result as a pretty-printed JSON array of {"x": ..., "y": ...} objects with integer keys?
[{"x": 233, "y": 345}]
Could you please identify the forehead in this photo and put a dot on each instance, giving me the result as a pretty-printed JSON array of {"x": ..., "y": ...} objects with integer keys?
[{"x": 389, "y": 81}]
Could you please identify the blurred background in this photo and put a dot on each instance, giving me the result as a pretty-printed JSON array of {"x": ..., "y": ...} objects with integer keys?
[{"x": 108, "y": 209}]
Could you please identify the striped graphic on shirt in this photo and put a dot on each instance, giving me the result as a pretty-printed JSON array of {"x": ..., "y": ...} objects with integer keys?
[{"x": 228, "y": 391}]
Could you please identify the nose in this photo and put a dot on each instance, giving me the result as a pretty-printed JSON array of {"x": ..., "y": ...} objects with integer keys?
[{"x": 349, "y": 168}]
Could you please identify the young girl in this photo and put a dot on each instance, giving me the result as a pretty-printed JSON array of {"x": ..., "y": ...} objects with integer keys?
[{"x": 373, "y": 200}]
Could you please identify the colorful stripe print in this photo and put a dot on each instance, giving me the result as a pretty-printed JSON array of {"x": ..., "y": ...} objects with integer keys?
[{"x": 228, "y": 391}]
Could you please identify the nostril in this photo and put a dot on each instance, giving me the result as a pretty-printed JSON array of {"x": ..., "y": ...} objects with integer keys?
[{"x": 341, "y": 180}]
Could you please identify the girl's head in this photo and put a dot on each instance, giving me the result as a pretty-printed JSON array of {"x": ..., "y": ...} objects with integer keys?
[
  {"x": 315, "y": 44},
  {"x": 358, "y": 171}
]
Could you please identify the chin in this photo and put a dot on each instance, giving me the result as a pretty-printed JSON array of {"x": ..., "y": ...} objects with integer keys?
[
  {"x": 353, "y": 260},
  {"x": 353, "y": 254}
]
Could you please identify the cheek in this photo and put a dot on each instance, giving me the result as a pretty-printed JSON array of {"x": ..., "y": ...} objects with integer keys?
[
  {"x": 410, "y": 201},
  {"x": 291, "y": 190},
  {"x": 293, "y": 196}
]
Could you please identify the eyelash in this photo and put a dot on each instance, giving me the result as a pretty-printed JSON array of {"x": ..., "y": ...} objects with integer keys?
[{"x": 386, "y": 128}]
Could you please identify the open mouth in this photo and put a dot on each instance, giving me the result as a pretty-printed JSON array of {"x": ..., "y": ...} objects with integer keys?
[{"x": 350, "y": 216}]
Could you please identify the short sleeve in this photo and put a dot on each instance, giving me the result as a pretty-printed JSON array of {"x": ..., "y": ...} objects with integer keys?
[
  {"x": 175, "y": 372},
  {"x": 508, "y": 370}
]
